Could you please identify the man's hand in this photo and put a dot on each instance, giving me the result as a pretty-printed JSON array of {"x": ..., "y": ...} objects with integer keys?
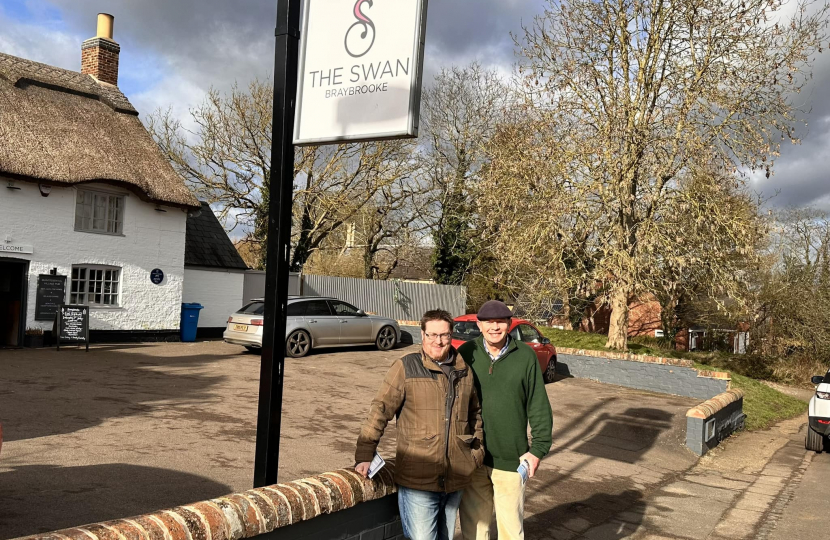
[
  {"x": 533, "y": 461},
  {"x": 363, "y": 468}
]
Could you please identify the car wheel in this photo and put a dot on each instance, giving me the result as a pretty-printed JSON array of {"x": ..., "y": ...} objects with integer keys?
[
  {"x": 386, "y": 338},
  {"x": 550, "y": 372},
  {"x": 814, "y": 442},
  {"x": 298, "y": 344}
]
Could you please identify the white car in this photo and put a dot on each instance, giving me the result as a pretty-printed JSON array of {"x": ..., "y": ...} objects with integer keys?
[
  {"x": 818, "y": 432},
  {"x": 312, "y": 323}
]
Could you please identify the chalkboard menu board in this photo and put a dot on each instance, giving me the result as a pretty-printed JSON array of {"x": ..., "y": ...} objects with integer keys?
[
  {"x": 73, "y": 325},
  {"x": 51, "y": 293}
]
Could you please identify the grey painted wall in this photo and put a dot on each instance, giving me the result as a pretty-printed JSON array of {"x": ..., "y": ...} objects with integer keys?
[
  {"x": 680, "y": 381},
  {"x": 726, "y": 421},
  {"x": 374, "y": 520}
]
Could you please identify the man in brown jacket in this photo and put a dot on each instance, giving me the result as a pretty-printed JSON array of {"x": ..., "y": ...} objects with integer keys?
[{"x": 432, "y": 394}]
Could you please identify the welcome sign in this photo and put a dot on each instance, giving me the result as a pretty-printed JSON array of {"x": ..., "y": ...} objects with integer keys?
[{"x": 360, "y": 70}]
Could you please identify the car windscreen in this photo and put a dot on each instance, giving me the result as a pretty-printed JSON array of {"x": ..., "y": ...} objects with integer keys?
[
  {"x": 826, "y": 378},
  {"x": 465, "y": 330},
  {"x": 254, "y": 308}
]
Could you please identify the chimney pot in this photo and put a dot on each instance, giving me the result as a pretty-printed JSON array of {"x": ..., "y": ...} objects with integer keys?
[
  {"x": 99, "y": 55},
  {"x": 105, "y": 25}
]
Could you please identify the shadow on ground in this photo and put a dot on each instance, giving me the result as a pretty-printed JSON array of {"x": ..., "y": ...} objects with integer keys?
[
  {"x": 334, "y": 350},
  {"x": 42, "y": 498},
  {"x": 46, "y": 392},
  {"x": 565, "y": 519}
]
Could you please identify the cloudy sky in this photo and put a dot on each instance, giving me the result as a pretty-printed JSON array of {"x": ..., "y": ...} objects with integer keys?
[{"x": 173, "y": 51}]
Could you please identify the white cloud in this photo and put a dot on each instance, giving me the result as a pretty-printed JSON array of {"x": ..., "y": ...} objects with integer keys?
[
  {"x": 40, "y": 43},
  {"x": 173, "y": 52}
]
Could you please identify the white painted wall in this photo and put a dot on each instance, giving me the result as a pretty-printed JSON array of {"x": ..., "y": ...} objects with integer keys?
[
  {"x": 151, "y": 240},
  {"x": 220, "y": 291}
]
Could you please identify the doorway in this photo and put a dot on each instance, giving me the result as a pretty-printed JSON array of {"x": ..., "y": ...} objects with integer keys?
[{"x": 13, "y": 274}]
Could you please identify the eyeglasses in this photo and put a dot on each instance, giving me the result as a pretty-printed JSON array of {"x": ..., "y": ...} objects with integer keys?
[{"x": 437, "y": 337}]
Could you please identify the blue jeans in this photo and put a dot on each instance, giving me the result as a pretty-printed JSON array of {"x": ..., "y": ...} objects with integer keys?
[{"x": 426, "y": 515}]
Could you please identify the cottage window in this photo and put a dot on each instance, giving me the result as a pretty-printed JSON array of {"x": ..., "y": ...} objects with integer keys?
[
  {"x": 99, "y": 212},
  {"x": 95, "y": 286}
]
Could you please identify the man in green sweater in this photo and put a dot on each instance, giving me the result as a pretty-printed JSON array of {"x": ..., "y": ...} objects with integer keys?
[{"x": 512, "y": 393}]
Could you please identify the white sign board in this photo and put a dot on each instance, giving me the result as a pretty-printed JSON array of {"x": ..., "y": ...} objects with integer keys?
[
  {"x": 15, "y": 248},
  {"x": 360, "y": 70}
]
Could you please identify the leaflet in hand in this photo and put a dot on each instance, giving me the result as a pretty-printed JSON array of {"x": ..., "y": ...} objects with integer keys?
[
  {"x": 376, "y": 465},
  {"x": 524, "y": 470}
]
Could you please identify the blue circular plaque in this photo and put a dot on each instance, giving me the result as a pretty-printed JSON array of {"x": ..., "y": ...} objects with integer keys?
[{"x": 157, "y": 276}]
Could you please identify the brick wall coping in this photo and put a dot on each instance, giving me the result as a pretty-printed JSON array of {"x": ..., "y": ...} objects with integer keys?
[
  {"x": 631, "y": 357},
  {"x": 709, "y": 407},
  {"x": 242, "y": 515},
  {"x": 644, "y": 358}
]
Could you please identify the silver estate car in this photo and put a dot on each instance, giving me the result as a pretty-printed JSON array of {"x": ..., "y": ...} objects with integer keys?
[{"x": 314, "y": 322}]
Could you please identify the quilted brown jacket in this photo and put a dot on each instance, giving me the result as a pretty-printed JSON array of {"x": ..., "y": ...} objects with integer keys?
[{"x": 438, "y": 423}]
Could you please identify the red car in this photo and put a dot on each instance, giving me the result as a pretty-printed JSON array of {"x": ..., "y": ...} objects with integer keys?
[{"x": 465, "y": 329}]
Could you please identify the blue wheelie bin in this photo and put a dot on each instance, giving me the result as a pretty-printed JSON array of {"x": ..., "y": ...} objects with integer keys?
[{"x": 190, "y": 321}]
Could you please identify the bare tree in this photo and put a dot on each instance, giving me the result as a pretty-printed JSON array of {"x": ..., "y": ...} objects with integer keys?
[
  {"x": 790, "y": 316},
  {"x": 336, "y": 183},
  {"x": 224, "y": 152},
  {"x": 712, "y": 234},
  {"x": 459, "y": 114},
  {"x": 637, "y": 95},
  {"x": 392, "y": 226}
]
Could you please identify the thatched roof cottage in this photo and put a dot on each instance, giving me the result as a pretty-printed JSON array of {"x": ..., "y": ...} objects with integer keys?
[{"x": 87, "y": 201}]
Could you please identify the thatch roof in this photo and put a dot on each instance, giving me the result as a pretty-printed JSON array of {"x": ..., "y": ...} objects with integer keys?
[{"x": 62, "y": 127}]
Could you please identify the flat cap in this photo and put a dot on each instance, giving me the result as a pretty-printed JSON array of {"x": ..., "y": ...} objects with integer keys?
[{"x": 494, "y": 309}]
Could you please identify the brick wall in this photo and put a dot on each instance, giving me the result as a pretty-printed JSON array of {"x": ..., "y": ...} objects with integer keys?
[
  {"x": 340, "y": 505},
  {"x": 656, "y": 374},
  {"x": 643, "y": 317},
  {"x": 99, "y": 58}
]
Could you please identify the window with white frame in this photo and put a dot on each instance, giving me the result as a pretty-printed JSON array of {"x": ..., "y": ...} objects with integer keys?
[
  {"x": 95, "y": 286},
  {"x": 99, "y": 212}
]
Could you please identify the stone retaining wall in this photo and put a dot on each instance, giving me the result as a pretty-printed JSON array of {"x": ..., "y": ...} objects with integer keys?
[
  {"x": 714, "y": 420},
  {"x": 340, "y": 505},
  {"x": 652, "y": 373}
]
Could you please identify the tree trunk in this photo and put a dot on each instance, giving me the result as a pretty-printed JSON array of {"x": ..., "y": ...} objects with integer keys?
[
  {"x": 566, "y": 312},
  {"x": 302, "y": 251},
  {"x": 668, "y": 319},
  {"x": 368, "y": 262},
  {"x": 618, "y": 323}
]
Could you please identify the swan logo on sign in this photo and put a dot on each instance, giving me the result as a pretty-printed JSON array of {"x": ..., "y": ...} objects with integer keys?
[{"x": 361, "y": 35}]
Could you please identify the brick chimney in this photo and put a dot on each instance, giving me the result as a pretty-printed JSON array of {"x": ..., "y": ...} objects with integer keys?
[{"x": 99, "y": 55}]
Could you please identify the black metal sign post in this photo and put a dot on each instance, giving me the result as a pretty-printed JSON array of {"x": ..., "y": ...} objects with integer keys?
[{"x": 280, "y": 183}]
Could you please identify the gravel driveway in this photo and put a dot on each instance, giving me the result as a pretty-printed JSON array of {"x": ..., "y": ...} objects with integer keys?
[{"x": 128, "y": 429}]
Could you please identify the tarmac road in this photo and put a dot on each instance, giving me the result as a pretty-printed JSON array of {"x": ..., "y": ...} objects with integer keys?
[{"x": 805, "y": 515}]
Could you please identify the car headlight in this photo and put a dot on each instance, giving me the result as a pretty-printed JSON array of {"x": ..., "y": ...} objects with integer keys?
[{"x": 823, "y": 395}]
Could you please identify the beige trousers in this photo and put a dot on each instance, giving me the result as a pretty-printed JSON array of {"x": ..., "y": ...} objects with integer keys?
[{"x": 493, "y": 489}]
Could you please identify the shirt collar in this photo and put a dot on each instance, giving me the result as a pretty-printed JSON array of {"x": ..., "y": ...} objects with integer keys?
[{"x": 501, "y": 352}]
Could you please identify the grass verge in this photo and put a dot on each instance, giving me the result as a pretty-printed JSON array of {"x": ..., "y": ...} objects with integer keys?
[
  {"x": 596, "y": 342},
  {"x": 763, "y": 406}
]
